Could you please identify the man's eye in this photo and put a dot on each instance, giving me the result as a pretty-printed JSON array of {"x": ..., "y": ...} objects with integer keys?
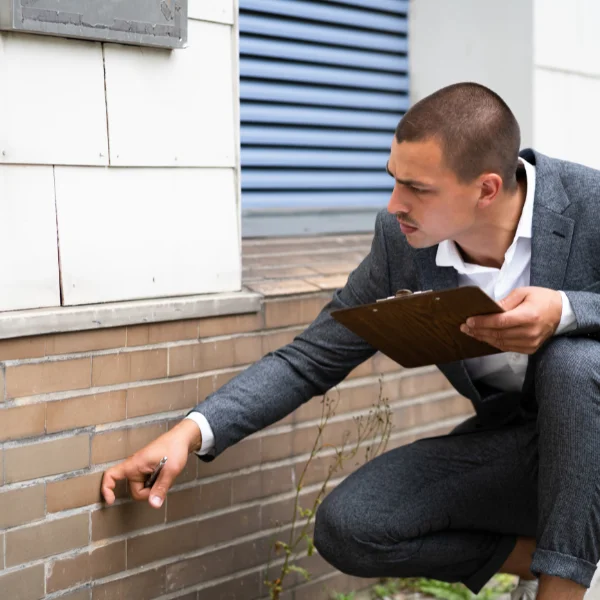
[{"x": 418, "y": 190}]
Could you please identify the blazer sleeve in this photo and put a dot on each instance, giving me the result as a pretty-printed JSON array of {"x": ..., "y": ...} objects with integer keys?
[
  {"x": 315, "y": 361},
  {"x": 586, "y": 306}
]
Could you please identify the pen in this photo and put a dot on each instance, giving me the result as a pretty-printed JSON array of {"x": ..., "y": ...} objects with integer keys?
[{"x": 153, "y": 476}]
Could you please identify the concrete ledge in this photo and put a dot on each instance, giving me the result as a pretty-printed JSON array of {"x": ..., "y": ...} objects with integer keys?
[{"x": 24, "y": 323}]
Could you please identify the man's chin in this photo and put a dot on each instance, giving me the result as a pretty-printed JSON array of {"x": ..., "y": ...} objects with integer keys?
[{"x": 418, "y": 242}]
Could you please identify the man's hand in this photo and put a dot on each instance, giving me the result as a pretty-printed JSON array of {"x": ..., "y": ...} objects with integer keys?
[
  {"x": 176, "y": 445},
  {"x": 532, "y": 316}
]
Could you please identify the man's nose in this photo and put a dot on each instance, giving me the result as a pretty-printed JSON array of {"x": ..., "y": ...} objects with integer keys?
[{"x": 397, "y": 203}]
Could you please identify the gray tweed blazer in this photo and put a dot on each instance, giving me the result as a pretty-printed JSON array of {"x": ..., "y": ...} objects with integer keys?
[{"x": 565, "y": 256}]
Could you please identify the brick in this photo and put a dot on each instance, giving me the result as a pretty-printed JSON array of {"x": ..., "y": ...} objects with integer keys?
[
  {"x": 215, "y": 326},
  {"x": 334, "y": 433},
  {"x": 86, "y": 341},
  {"x": 267, "y": 482},
  {"x": 125, "y": 367},
  {"x": 84, "y": 594},
  {"x": 302, "y": 257},
  {"x": 239, "y": 456},
  {"x": 2, "y": 386},
  {"x": 193, "y": 501},
  {"x": 325, "y": 588},
  {"x": 424, "y": 384},
  {"x": 26, "y": 584},
  {"x": 336, "y": 267},
  {"x": 216, "y": 564},
  {"x": 294, "y": 311},
  {"x": 162, "y": 544},
  {"x": 76, "y": 492},
  {"x": 118, "y": 444},
  {"x": 444, "y": 409},
  {"x": 229, "y": 526},
  {"x": 46, "y": 539},
  {"x": 204, "y": 356},
  {"x": 124, "y": 518},
  {"x": 347, "y": 399},
  {"x": 1, "y": 551},
  {"x": 318, "y": 469},
  {"x": 247, "y": 349},
  {"x": 1, "y": 466},
  {"x": 384, "y": 364},
  {"x": 276, "y": 447},
  {"x": 192, "y": 536},
  {"x": 22, "y": 422},
  {"x": 365, "y": 369},
  {"x": 283, "y": 288},
  {"x": 247, "y": 587},
  {"x": 91, "y": 565},
  {"x": 46, "y": 458},
  {"x": 343, "y": 400},
  {"x": 46, "y": 377},
  {"x": 84, "y": 411},
  {"x": 277, "y": 273},
  {"x": 328, "y": 282},
  {"x": 315, "y": 565},
  {"x": 142, "y": 586},
  {"x": 158, "y": 333},
  {"x": 20, "y": 348},
  {"x": 164, "y": 397},
  {"x": 274, "y": 341},
  {"x": 418, "y": 384},
  {"x": 21, "y": 506}
]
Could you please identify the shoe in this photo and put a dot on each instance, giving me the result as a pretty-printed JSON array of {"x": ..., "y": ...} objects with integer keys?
[{"x": 526, "y": 590}]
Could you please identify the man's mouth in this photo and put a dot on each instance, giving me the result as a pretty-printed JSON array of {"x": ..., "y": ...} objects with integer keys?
[{"x": 406, "y": 228}]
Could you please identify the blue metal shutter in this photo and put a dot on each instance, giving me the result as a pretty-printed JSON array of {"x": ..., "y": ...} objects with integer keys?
[{"x": 322, "y": 86}]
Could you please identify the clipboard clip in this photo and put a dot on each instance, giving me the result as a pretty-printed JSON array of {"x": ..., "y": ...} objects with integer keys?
[{"x": 404, "y": 292}]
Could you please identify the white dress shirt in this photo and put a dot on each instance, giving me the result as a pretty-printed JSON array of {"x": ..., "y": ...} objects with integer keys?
[{"x": 505, "y": 371}]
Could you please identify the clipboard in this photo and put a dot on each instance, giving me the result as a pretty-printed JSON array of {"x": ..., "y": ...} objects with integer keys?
[{"x": 422, "y": 328}]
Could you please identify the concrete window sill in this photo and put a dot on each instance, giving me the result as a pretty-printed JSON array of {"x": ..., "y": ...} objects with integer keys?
[{"x": 15, "y": 324}]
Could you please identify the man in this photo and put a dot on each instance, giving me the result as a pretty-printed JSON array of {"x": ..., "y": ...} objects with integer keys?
[{"x": 515, "y": 488}]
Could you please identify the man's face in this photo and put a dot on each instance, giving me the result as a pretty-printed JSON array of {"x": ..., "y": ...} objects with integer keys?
[{"x": 429, "y": 202}]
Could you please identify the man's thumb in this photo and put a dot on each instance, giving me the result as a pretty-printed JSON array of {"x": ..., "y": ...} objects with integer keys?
[
  {"x": 513, "y": 300},
  {"x": 159, "y": 490}
]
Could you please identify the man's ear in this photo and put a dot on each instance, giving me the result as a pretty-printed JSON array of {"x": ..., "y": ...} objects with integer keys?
[{"x": 490, "y": 186}]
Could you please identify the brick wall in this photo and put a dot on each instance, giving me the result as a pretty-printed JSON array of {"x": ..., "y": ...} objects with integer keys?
[{"x": 73, "y": 404}]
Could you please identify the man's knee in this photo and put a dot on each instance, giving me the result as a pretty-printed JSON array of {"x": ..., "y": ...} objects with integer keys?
[
  {"x": 346, "y": 539},
  {"x": 568, "y": 368},
  {"x": 333, "y": 536}
]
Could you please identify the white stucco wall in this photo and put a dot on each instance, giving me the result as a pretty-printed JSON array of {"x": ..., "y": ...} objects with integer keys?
[
  {"x": 119, "y": 166},
  {"x": 566, "y": 77},
  {"x": 473, "y": 40}
]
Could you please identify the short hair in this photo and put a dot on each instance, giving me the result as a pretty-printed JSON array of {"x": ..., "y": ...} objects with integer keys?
[{"x": 477, "y": 131}]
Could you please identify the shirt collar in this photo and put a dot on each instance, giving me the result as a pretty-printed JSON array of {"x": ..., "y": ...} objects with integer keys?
[{"x": 447, "y": 252}]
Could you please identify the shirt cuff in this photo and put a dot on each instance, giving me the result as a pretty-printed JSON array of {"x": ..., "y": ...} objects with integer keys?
[
  {"x": 568, "y": 321},
  {"x": 208, "y": 437}
]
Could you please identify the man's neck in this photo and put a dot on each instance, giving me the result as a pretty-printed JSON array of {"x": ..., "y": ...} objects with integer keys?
[{"x": 487, "y": 244}]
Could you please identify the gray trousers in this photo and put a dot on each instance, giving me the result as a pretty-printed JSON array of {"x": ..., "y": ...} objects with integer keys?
[{"x": 451, "y": 507}]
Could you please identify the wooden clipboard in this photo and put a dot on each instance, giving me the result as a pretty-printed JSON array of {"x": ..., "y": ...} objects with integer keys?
[{"x": 422, "y": 328}]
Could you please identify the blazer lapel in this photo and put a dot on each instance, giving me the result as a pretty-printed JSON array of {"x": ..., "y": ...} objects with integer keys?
[{"x": 551, "y": 231}]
